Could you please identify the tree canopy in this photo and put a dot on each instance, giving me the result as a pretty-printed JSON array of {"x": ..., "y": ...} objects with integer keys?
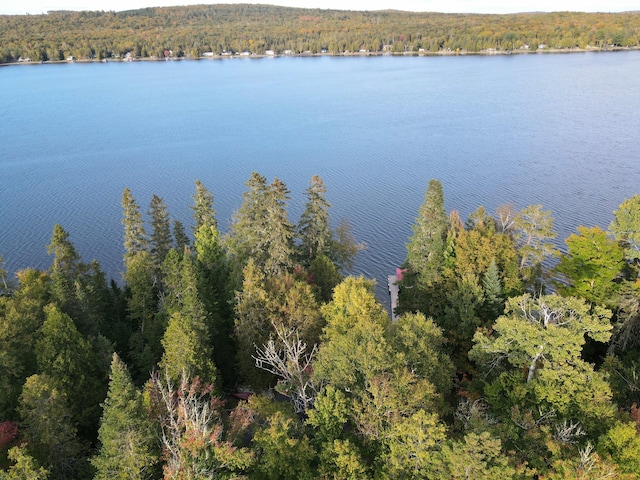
[
  {"x": 254, "y": 354},
  {"x": 191, "y": 31}
]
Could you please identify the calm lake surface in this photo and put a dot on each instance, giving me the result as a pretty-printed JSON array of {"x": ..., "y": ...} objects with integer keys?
[{"x": 559, "y": 130}]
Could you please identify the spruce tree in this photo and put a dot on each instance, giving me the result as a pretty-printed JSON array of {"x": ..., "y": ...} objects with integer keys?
[
  {"x": 79, "y": 289},
  {"x": 142, "y": 290},
  {"x": 125, "y": 435},
  {"x": 313, "y": 231},
  {"x": 203, "y": 211},
  {"x": 493, "y": 296},
  {"x": 160, "y": 238},
  {"x": 65, "y": 272},
  {"x": 279, "y": 234},
  {"x": 21, "y": 314},
  {"x": 213, "y": 288},
  {"x": 425, "y": 250},
  {"x": 135, "y": 236},
  {"x": 186, "y": 339},
  {"x": 142, "y": 302},
  {"x": 251, "y": 325},
  {"x": 246, "y": 237},
  {"x": 68, "y": 359},
  {"x": 179, "y": 236},
  {"x": 66, "y": 259}
]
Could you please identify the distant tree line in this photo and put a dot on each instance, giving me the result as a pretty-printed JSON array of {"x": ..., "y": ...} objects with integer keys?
[
  {"x": 194, "y": 30},
  {"x": 248, "y": 354}
]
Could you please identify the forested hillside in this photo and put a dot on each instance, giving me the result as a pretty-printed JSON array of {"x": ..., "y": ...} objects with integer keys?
[
  {"x": 249, "y": 355},
  {"x": 192, "y": 31}
]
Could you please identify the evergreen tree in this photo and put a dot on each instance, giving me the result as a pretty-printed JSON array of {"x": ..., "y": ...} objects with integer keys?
[
  {"x": 414, "y": 445},
  {"x": 425, "y": 250},
  {"x": 213, "y": 282},
  {"x": 251, "y": 325},
  {"x": 142, "y": 303},
  {"x": 79, "y": 289},
  {"x": 49, "y": 429},
  {"x": 422, "y": 347},
  {"x": 141, "y": 277},
  {"x": 325, "y": 277},
  {"x": 493, "y": 296},
  {"x": 247, "y": 235},
  {"x": 338, "y": 454},
  {"x": 66, "y": 260},
  {"x": 476, "y": 456},
  {"x": 186, "y": 340},
  {"x": 65, "y": 272},
  {"x": 279, "y": 235},
  {"x": 21, "y": 314},
  {"x": 203, "y": 211},
  {"x": 179, "y": 236},
  {"x": 285, "y": 452},
  {"x": 68, "y": 360},
  {"x": 24, "y": 467},
  {"x": 135, "y": 236},
  {"x": 125, "y": 435},
  {"x": 261, "y": 229},
  {"x": 313, "y": 231},
  {"x": 160, "y": 239}
]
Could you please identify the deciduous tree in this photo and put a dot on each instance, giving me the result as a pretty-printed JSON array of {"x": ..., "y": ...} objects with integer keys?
[
  {"x": 533, "y": 231},
  {"x": 591, "y": 266},
  {"x": 626, "y": 227},
  {"x": 538, "y": 343}
]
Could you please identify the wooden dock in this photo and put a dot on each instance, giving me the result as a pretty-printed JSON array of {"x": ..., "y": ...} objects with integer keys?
[{"x": 393, "y": 293}]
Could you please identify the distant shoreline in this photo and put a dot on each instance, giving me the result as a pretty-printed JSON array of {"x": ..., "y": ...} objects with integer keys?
[{"x": 449, "y": 53}]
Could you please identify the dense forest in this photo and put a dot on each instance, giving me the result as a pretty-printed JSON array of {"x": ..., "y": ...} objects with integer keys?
[
  {"x": 192, "y": 31},
  {"x": 248, "y": 354}
]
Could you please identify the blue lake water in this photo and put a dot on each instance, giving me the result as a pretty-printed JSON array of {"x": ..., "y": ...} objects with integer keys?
[{"x": 560, "y": 130}]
